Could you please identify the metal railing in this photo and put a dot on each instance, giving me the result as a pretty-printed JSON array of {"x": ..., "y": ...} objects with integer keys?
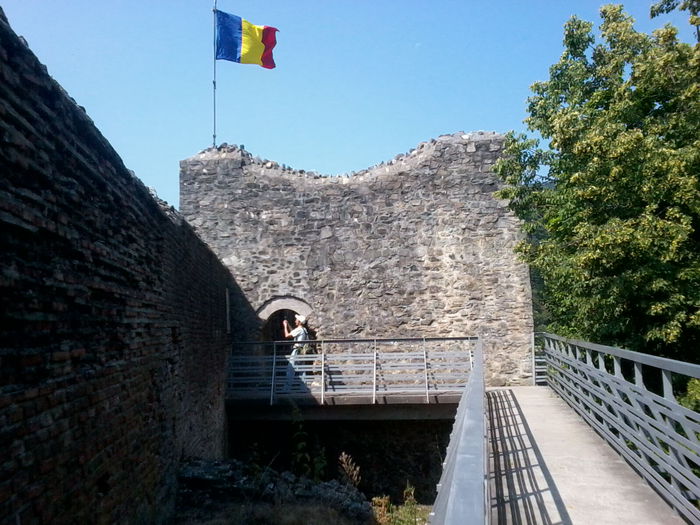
[
  {"x": 539, "y": 368},
  {"x": 539, "y": 363},
  {"x": 463, "y": 492},
  {"x": 361, "y": 369},
  {"x": 628, "y": 398}
]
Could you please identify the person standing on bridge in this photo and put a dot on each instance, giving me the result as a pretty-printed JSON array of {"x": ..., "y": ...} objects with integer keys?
[{"x": 299, "y": 334}]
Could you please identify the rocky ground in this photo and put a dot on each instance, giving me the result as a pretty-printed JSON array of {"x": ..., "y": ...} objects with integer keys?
[{"x": 231, "y": 492}]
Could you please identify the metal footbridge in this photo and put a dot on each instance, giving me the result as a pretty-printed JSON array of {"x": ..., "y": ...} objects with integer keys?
[
  {"x": 352, "y": 371},
  {"x": 601, "y": 440}
]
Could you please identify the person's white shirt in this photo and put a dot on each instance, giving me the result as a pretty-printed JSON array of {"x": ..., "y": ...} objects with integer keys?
[{"x": 298, "y": 333}]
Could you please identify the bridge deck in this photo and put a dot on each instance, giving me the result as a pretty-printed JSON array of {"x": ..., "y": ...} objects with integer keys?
[{"x": 549, "y": 467}]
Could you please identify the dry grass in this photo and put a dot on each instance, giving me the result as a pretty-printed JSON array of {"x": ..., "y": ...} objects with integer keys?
[{"x": 349, "y": 471}]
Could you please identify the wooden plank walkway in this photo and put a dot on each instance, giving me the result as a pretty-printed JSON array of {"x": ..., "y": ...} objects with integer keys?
[{"x": 549, "y": 467}]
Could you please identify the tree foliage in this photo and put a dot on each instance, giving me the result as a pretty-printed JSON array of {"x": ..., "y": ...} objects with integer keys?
[
  {"x": 612, "y": 205},
  {"x": 692, "y": 6}
]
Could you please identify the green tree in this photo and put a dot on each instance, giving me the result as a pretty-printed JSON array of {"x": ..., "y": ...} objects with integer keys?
[
  {"x": 692, "y": 6},
  {"x": 612, "y": 203}
]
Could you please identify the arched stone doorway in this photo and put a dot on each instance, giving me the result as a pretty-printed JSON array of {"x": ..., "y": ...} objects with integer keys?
[{"x": 274, "y": 311}]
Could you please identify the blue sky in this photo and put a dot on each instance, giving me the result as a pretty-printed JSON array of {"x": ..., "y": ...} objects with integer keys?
[{"x": 357, "y": 81}]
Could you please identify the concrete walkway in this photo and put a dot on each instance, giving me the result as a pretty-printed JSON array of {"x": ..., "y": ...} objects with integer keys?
[{"x": 549, "y": 467}]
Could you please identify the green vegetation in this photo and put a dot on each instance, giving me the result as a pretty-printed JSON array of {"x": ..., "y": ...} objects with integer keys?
[
  {"x": 409, "y": 513},
  {"x": 612, "y": 203},
  {"x": 691, "y": 398},
  {"x": 307, "y": 461}
]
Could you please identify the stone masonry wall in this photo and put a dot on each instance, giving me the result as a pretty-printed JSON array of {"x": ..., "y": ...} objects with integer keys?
[
  {"x": 415, "y": 247},
  {"x": 113, "y": 327}
]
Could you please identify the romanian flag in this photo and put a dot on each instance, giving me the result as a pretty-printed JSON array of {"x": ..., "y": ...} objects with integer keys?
[{"x": 240, "y": 41}]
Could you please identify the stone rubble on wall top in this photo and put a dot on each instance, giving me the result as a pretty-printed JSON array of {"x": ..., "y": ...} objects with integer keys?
[{"x": 234, "y": 152}]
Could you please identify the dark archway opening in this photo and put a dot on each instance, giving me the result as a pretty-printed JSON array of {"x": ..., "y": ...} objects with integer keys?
[{"x": 272, "y": 329}]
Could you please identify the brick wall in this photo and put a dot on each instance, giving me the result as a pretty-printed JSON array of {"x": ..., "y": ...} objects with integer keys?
[{"x": 113, "y": 337}]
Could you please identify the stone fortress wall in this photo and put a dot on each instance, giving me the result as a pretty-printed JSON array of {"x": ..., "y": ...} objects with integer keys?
[
  {"x": 113, "y": 320},
  {"x": 416, "y": 247}
]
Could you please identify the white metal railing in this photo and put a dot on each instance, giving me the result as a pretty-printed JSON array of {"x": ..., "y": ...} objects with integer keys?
[
  {"x": 463, "y": 491},
  {"x": 628, "y": 398},
  {"x": 351, "y": 368}
]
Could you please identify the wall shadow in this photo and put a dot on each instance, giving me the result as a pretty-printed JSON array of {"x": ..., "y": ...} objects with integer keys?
[
  {"x": 390, "y": 453},
  {"x": 522, "y": 488}
]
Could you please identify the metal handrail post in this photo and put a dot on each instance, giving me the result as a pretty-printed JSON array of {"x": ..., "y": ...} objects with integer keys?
[
  {"x": 667, "y": 385},
  {"x": 323, "y": 374},
  {"x": 618, "y": 367},
  {"x": 374, "y": 378},
  {"x": 425, "y": 372},
  {"x": 272, "y": 383},
  {"x": 638, "y": 375},
  {"x": 534, "y": 363}
]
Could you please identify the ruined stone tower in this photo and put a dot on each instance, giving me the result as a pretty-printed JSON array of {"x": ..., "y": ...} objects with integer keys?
[{"x": 416, "y": 247}]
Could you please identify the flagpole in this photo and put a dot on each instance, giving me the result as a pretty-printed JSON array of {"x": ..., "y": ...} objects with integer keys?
[{"x": 214, "y": 81}]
